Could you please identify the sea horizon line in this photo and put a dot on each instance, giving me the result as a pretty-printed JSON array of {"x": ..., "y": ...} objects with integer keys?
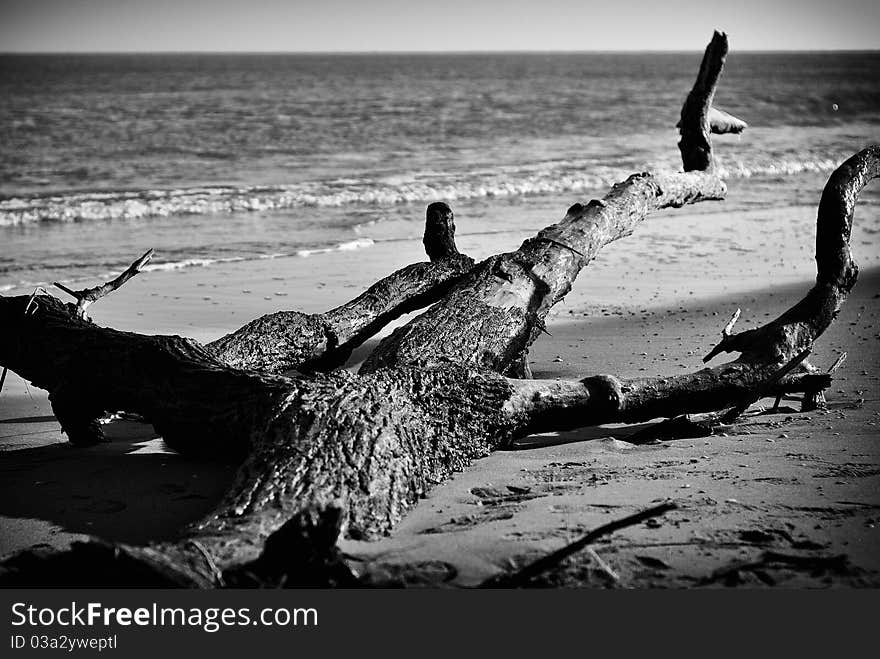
[{"x": 430, "y": 52}]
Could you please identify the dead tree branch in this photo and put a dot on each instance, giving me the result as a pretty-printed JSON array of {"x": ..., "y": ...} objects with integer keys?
[
  {"x": 286, "y": 340},
  {"x": 522, "y": 576},
  {"x": 87, "y": 296},
  {"x": 493, "y": 315},
  {"x": 332, "y": 453},
  {"x": 695, "y": 145},
  {"x": 722, "y": 123},
  {"x": 769, "y": 352}
]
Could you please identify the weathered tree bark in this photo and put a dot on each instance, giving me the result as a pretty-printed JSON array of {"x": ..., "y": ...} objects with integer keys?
[
  {"x": 695, "y": 144},
  {"x": 323, "y": 450},
  {"x": 764, "y": 350},
  {"x": 279, "y": 341},
  {"x": 493, "y": 314},
  {"x": 331, "y": 453},
  {"x": 286, "y": 340}
]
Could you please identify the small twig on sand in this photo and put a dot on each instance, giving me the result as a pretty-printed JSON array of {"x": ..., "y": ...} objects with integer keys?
[
  {"x": 603, "y": 565},
  {"x": 548, "y": 562},
  {"x": 30, "y": 302},
  {"x": 815, "y": 398},
  {"x": 838, "y": 363},
  {"x": 726, "y": 336},
  {"x": 762, "y": 389}
]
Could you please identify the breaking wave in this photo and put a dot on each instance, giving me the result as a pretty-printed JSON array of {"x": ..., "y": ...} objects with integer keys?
[
  {"x": 182, "y": 264},
  {"x": 540, "y": 178}
]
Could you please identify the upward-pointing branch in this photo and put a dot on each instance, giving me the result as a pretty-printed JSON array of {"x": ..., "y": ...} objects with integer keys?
[
  {"x": 770, "y": 363},
  {"x": 695, "y": 144},
  {"x": 88, "y": 296},
  {"x": 493, "y": 315},
  {"x": 836, "y": 271},
  {"x": 287, "y": 340}
]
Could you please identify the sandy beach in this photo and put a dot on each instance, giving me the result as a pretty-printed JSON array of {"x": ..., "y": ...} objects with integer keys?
[{"x": 788, "y": 499}]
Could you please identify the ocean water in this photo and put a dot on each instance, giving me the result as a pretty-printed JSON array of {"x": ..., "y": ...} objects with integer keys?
[{"x": 218, "y": 158}]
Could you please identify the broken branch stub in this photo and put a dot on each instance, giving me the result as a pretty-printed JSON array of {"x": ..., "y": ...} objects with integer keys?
[
  {"x": 722, "y": 123},
  {"x": 695, "y": 144},
  {"x": 88, "y": 296},
  {"x": 287, "y": 340},
  {"x": 439, "y": 238},
  {"x": 490, "y": 318}
]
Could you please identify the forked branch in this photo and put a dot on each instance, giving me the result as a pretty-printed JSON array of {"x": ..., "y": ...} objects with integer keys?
[
  {"x": 338, "y": 453},
  {"x": 287, "y": 340},
  {"x": 771, "y": 354},
  {"x": 87, "y": 296}
]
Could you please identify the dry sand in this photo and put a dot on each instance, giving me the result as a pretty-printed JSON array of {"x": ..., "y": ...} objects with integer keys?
[{"x": 794, "y": 497}]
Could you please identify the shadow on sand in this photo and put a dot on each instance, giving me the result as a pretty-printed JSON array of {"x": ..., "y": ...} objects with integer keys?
[{"x": 131, "y": 489}]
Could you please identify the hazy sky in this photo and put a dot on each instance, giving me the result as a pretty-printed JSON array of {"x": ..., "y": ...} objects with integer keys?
[{"x": 389, "y": 25}]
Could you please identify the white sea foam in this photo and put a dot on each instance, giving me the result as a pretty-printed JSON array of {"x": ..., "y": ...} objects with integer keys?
[
  {"x": 349, "y": 245},
  {"x": 532, "y": 179},
  {"x": 183, "y": 264},
  {"x": 190, "y": 263}
]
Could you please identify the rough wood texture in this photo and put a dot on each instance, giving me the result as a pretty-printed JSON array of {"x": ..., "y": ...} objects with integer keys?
[
  {"x": 798, "y": 327},
  {"x": 492, "y": 316},
  {"x": 354, "y": 450},
  {"x": 186, "y": 392},
  {"x": 767, "y": 352},
  {"x": 288, "y": 340},
  {"x": 331, "y": 453},
  {"x": 495, "y": 313},
  {"x": 695, "y": 144}
]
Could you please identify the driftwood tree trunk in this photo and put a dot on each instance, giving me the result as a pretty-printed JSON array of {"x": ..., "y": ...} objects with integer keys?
[
  {"x": 289, "y": 339},
  {"x": 331, "y": 453}
]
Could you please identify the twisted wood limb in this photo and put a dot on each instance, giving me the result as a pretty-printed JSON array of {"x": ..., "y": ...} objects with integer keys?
[
  {"x": 343, "y": 453},
  {"x": 287, "y": 340},
  {"x": 493, "y": 315},
  {"x": 768, "y": 353},
  {"x": 799, "y": 326}
]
